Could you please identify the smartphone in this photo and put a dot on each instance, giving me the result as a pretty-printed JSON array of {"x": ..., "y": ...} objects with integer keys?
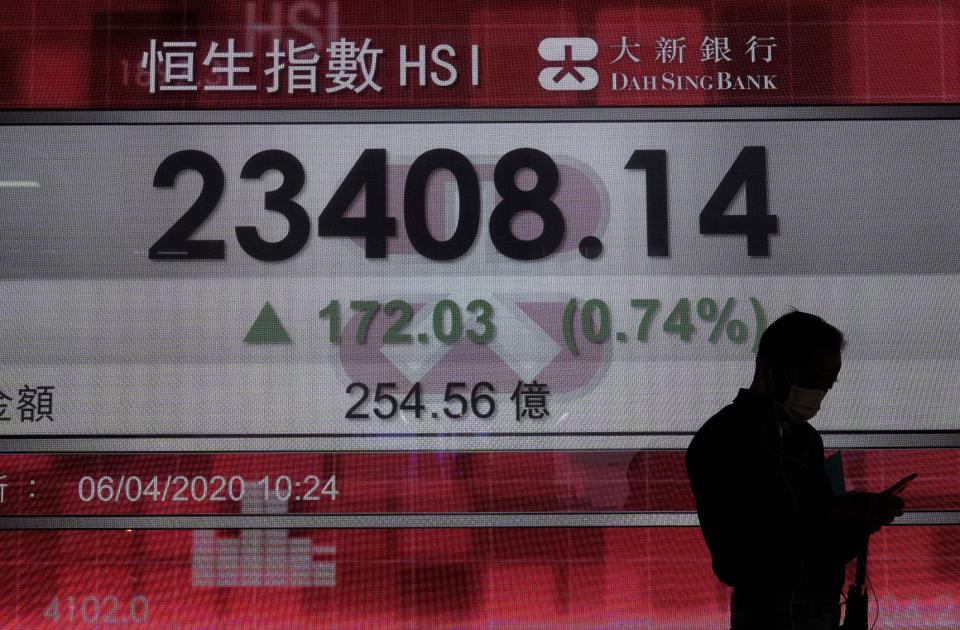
[{"x": 898, "y": 487}]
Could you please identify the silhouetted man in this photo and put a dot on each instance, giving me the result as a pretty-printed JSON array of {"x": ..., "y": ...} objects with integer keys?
[{"x": 776, "y": 533}]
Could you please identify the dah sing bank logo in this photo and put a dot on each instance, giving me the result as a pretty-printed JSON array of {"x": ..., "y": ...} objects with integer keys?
[{"x": 571, "y": 52}]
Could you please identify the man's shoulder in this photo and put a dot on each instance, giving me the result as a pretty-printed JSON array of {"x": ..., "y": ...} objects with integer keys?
[
  {"x": 731, "y": 428},
  {"x": 729, "y": 418},
  {"x": 717, "y": 431}
]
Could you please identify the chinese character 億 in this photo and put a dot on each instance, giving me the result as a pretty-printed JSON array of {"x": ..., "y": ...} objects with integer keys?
[
  {"x": 531, "y": 400},
  {"x": 35, "y": 404},
  {"x": 177, "y": 61},
  {"x": 345, "y": 59},
  {"x": 757, "y": 44}
]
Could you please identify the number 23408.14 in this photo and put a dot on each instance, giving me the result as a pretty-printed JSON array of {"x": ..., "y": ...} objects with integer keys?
[{"x": 369, "y": 175}]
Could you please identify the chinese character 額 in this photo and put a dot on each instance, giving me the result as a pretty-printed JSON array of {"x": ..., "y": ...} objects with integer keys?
[{"x": 35, "y": 404}]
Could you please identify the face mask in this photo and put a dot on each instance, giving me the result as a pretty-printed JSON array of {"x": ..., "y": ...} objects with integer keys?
[{"x": 802, "y": 403}]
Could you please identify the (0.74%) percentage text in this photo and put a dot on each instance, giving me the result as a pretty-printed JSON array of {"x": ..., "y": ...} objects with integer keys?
[{"x": 595, "y": 322}]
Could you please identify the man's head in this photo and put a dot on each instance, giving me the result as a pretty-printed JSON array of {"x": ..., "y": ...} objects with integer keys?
[{"x": 798, "y": 361}]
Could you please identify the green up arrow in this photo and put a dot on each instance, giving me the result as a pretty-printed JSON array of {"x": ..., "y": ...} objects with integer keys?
[{"x": 267, "y": 328}]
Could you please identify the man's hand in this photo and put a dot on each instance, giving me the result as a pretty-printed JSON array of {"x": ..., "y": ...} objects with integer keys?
[{"x": 869, "y": 511}]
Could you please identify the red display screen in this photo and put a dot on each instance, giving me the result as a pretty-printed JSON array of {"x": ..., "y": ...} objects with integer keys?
[{"x": 323, "y": 314}]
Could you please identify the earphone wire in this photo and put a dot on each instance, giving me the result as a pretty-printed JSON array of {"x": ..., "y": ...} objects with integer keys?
[{"x": 876, "y": 599}]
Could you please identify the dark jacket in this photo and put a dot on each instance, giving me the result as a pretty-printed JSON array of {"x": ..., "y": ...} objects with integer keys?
[{"x": 763, "y": 501}]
